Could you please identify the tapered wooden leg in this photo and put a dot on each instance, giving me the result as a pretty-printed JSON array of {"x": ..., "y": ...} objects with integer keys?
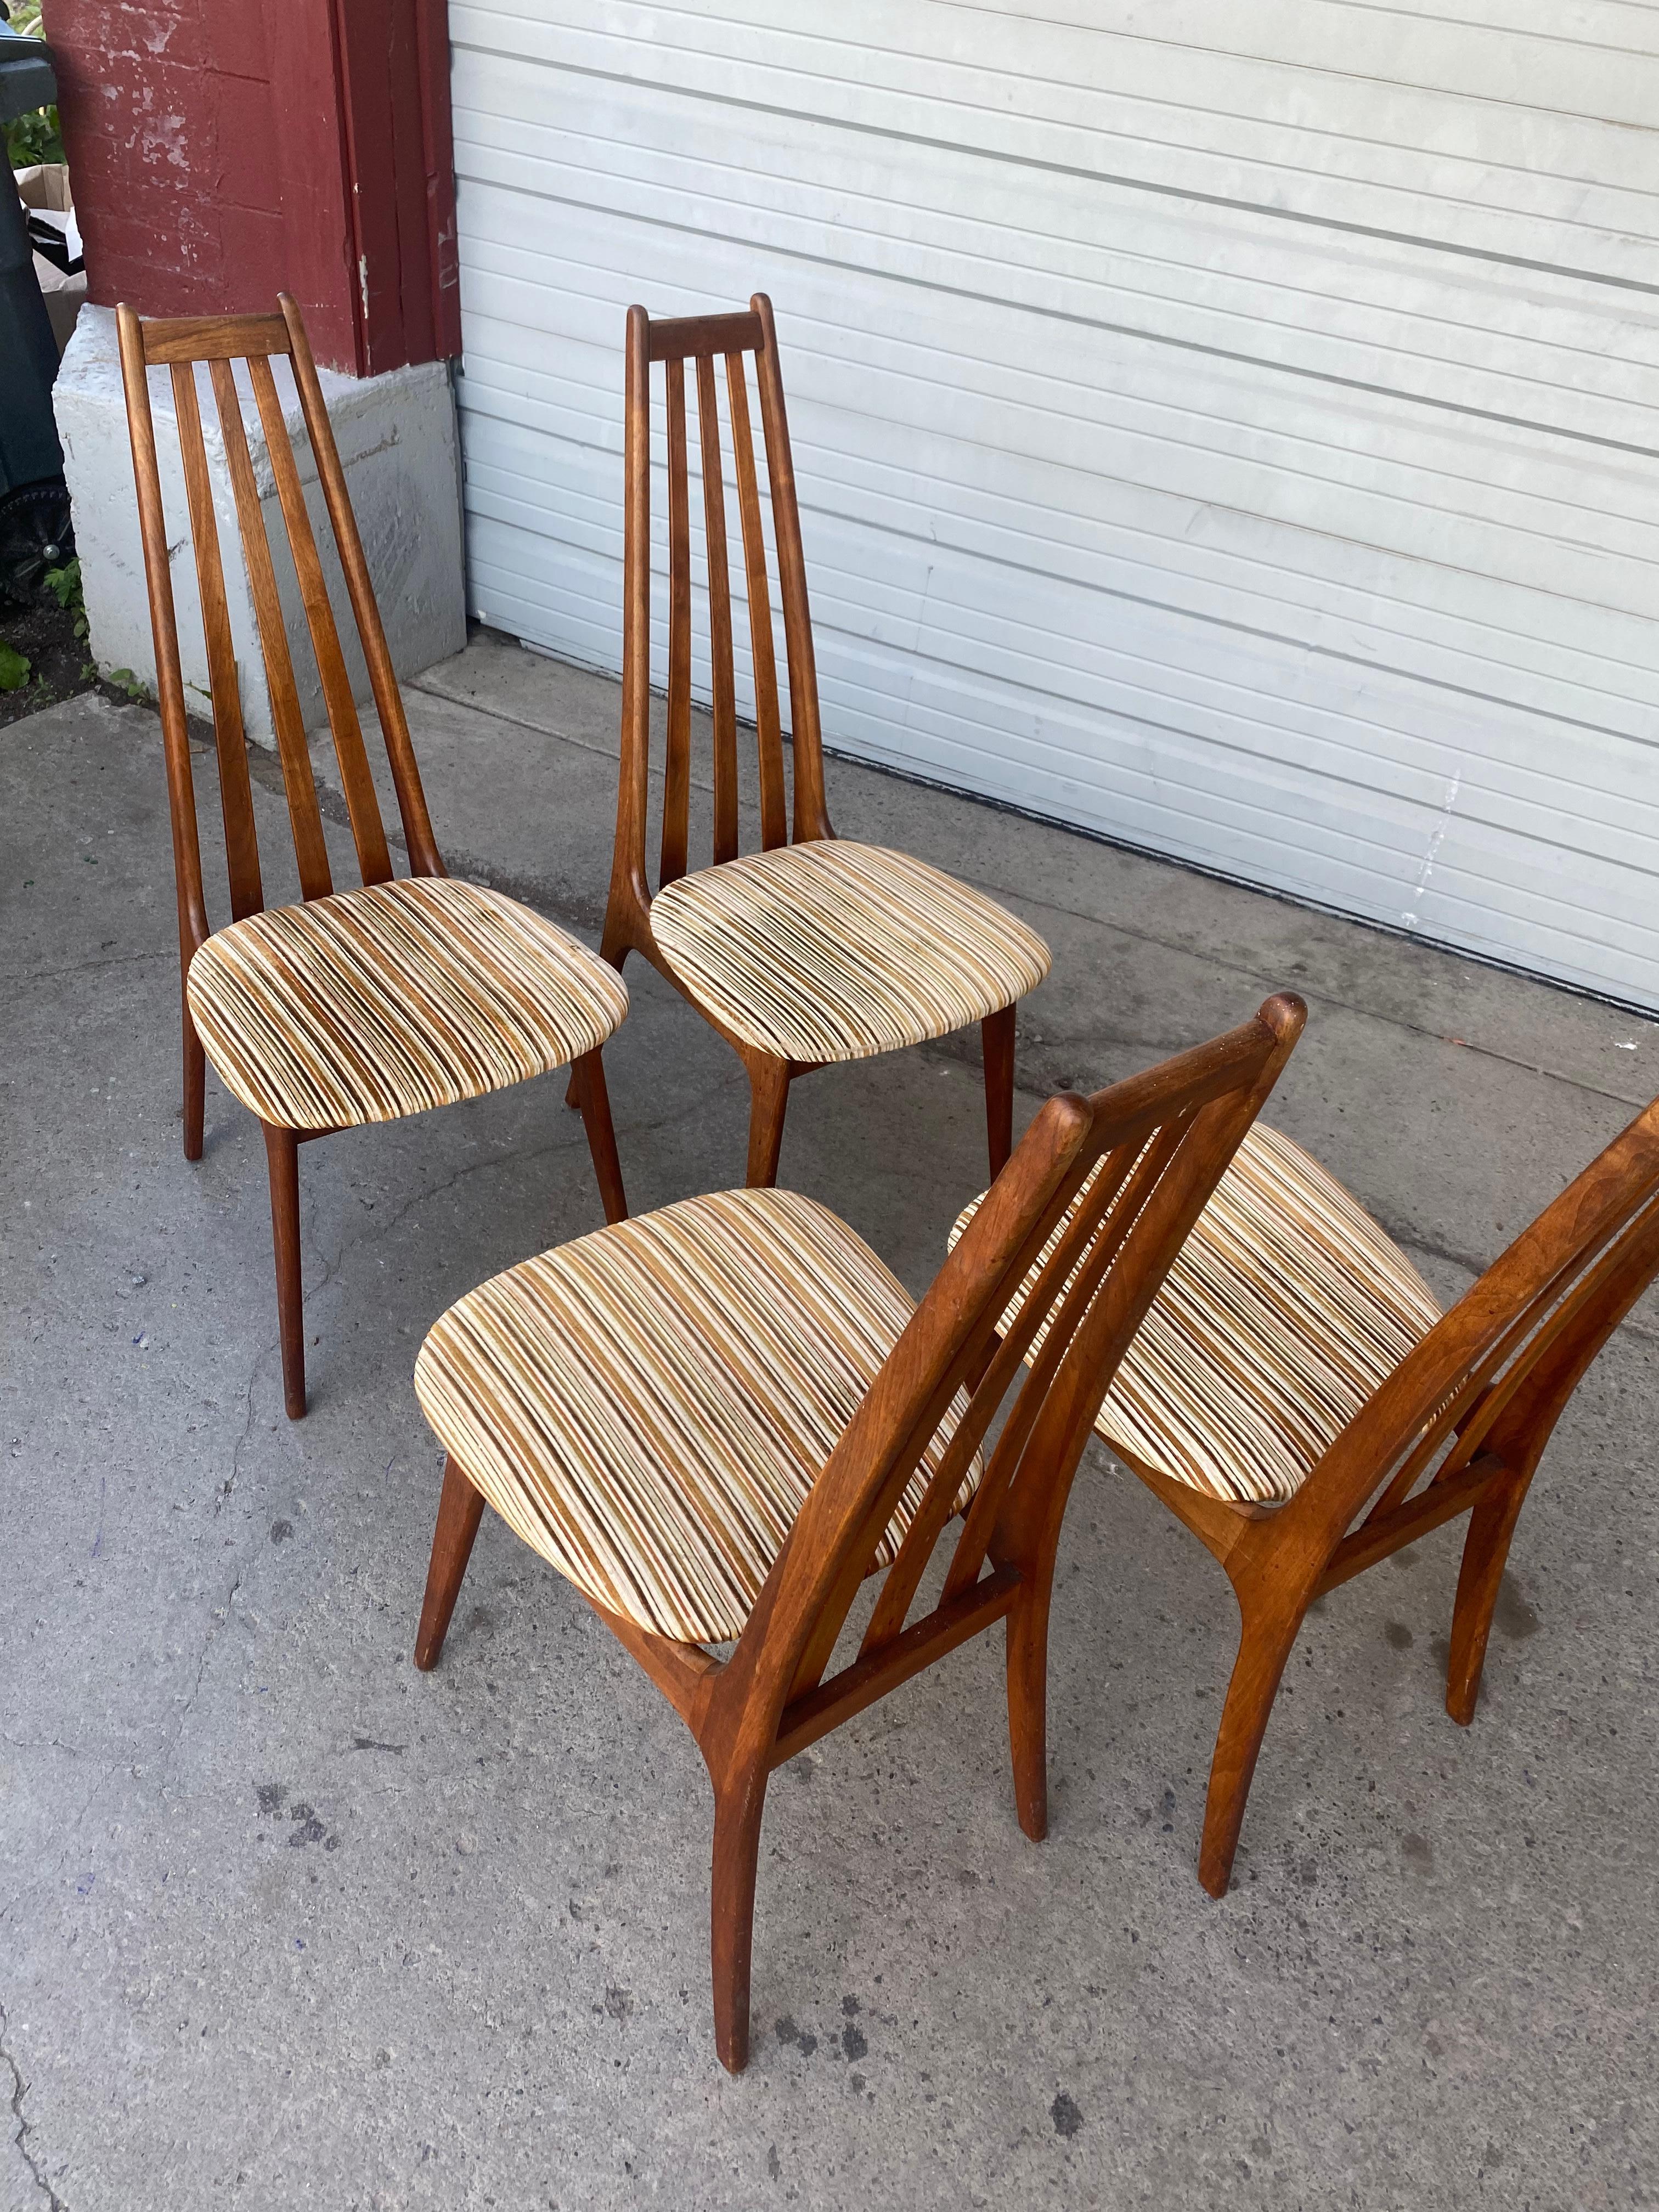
[
  {"x": 587, "y": 1080},
  {"x": 282, "y": 1154},
  {"x": 460, "y": 1509},
  {"x": 1264, "y": 1647},
  {"x": 1027, "y": 1632},
  {"x": 1485, "y": 1552},
  {"x": 997, "y": 1040},
  {"x": 738, "y": 1805},
  {"x": 768, "y": 1088},
  {"x": 195, "y": 1089}
]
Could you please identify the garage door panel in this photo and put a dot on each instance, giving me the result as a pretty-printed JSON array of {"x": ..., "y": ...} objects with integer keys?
[{"x": 1230, "y": 430}]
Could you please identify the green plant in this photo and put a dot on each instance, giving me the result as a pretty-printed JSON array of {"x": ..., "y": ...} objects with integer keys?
[
  {"x": 35, "y": 137},
  {"x": 64, "y": 585},
  {"x": 13, "y": 668},
  {"x": 123, "y": 679}
]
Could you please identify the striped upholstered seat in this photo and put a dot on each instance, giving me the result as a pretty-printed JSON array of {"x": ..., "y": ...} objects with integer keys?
[
  {"x": 832, "y": 950},
  {"x": 648, "y": 1407},
  {"x": 1286, "y": 1310},
  {"x": 371, "y": 1003}
]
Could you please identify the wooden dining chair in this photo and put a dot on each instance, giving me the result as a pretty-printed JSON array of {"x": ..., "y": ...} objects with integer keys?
[
  {"x": 718, "y": 1419},
  {"x": 357, "y": 1006},
  {"x": 812, "y": 951},
  {"x": 1296, "y": 1397}
]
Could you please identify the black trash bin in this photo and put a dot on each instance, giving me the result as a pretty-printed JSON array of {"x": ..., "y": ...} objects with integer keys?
[{"x": 35, "y": 530}]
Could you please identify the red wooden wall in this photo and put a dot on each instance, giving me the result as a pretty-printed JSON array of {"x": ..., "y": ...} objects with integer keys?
[{"x": 222, "y": 150}]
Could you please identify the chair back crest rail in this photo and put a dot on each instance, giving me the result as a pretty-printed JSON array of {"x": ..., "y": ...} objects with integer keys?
[
  {"x": 718, "y": 349},
  {"x": 1099, "y": 1196},
  {"x": 1476, "y": 1402},
  {"x": 181, "y": 343}
]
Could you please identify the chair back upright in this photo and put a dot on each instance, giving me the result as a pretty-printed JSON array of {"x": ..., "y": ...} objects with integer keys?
[
  {"x": 180, "y": 344},
  {"x": 1092, "y": 1208},
  {"x": 703, "y": 340},
  {"x": 1481, "y": 1395}
]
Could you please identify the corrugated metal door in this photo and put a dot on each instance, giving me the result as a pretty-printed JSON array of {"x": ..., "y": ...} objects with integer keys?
[{"x": 1228, "y": 425}]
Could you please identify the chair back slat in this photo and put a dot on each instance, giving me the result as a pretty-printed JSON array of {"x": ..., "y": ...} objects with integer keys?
[
  {"x": 775, "y": 821},
  {"x": 722, "y": 682},
  {"x": 230, "y": 739},
  {"x": 703, "y": 340},
  {"x": 1557, "y": 1314},
  {"x": 1540, "y": 1312},
  {"x": 368, "y": 833},
  {"x": 298, "y": 785},
  {"x": 806, "y": 737},
  {"x": 164, "y": 626},
  {"x": 1075, "y": 1232},
  {"x": 220, "y": 341},
  {"x": 418, "y": 840},
  {"x": 676, "y": 776},
  {"x": 1084, "y": 1222}
]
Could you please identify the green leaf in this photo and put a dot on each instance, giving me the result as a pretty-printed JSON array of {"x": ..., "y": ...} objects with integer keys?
[
  {"x": 13, "y": 668},
  {"x": 65, "y": 584}
]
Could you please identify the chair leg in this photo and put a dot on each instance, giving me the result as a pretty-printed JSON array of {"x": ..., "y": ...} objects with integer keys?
[
  {"x": 1485, "y": 1552},
  {"x": 587, "y": 1080},
  {"x": 283, "y": 1155},
  {"x": 740, "y": 1801},
  {"x": 1264, "y": 1646},
  {"x": 195, "y": 1088},
  {"x": 768, "y": 1088},
  {"x": 460, "y": 1509},
  {"x": 997, "y": 1041},
  {"x": 1027, "y": 1632}
]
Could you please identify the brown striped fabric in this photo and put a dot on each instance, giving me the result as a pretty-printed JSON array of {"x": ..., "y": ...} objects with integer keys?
[
  {"x": 1286, "y": 1310},
  {"x": 649, "y": 1406},
  {"x": 375, "y": 1003},
  {"x": 832, "y": 950}
]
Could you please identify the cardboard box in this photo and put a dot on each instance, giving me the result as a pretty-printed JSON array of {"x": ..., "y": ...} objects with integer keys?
[{"x": 45, "y": 188}]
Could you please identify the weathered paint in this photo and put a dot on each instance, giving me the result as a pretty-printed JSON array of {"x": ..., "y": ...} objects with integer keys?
[{"x": 222, "y": 149}]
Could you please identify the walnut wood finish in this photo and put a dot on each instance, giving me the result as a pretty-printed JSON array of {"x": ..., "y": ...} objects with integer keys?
[
  {"x": 703, "y": 340},
  {"x": 256, "y": 340},
  {"x": 1458, "y": 1428},
  {"x": 1160, "y": 1142}
]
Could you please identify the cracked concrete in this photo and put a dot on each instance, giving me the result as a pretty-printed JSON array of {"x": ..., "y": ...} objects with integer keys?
[{"x": 284, "y": 1921}]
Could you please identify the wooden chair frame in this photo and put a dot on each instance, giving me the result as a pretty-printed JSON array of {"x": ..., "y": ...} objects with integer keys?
[
  {"x": 1161, "y": 1141},
  {"x": 218, "y": 341},
  {"x": 702, "y": 339},
  {"x": 1458, "y": 1428}
]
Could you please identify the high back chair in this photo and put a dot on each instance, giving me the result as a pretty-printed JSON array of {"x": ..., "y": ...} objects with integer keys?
[
  {"x": 808, "y": 952},
  {"x": 357, "y": 1006},
  {"x": 1296, "y": 1398},
  {"x": 719, "y": 1419}
]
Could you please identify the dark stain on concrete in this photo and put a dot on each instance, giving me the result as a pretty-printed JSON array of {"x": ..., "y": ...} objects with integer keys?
[
  {"x": 1399, "y": 1636},
  {"x": 1418, "y": 1853},
  {"x": 1065, "y": 2115},
  {"x": 788, "y": 2032},
  {"x": 308, "y": 1828},
  {"x": 1512, "y": 1616}
]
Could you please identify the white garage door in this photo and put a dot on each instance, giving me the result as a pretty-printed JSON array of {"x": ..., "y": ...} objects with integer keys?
[{"x": 1228, "y": 425}]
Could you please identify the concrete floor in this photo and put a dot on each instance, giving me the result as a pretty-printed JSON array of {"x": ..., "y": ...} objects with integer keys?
[{"x": 283, "y": 1922}]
